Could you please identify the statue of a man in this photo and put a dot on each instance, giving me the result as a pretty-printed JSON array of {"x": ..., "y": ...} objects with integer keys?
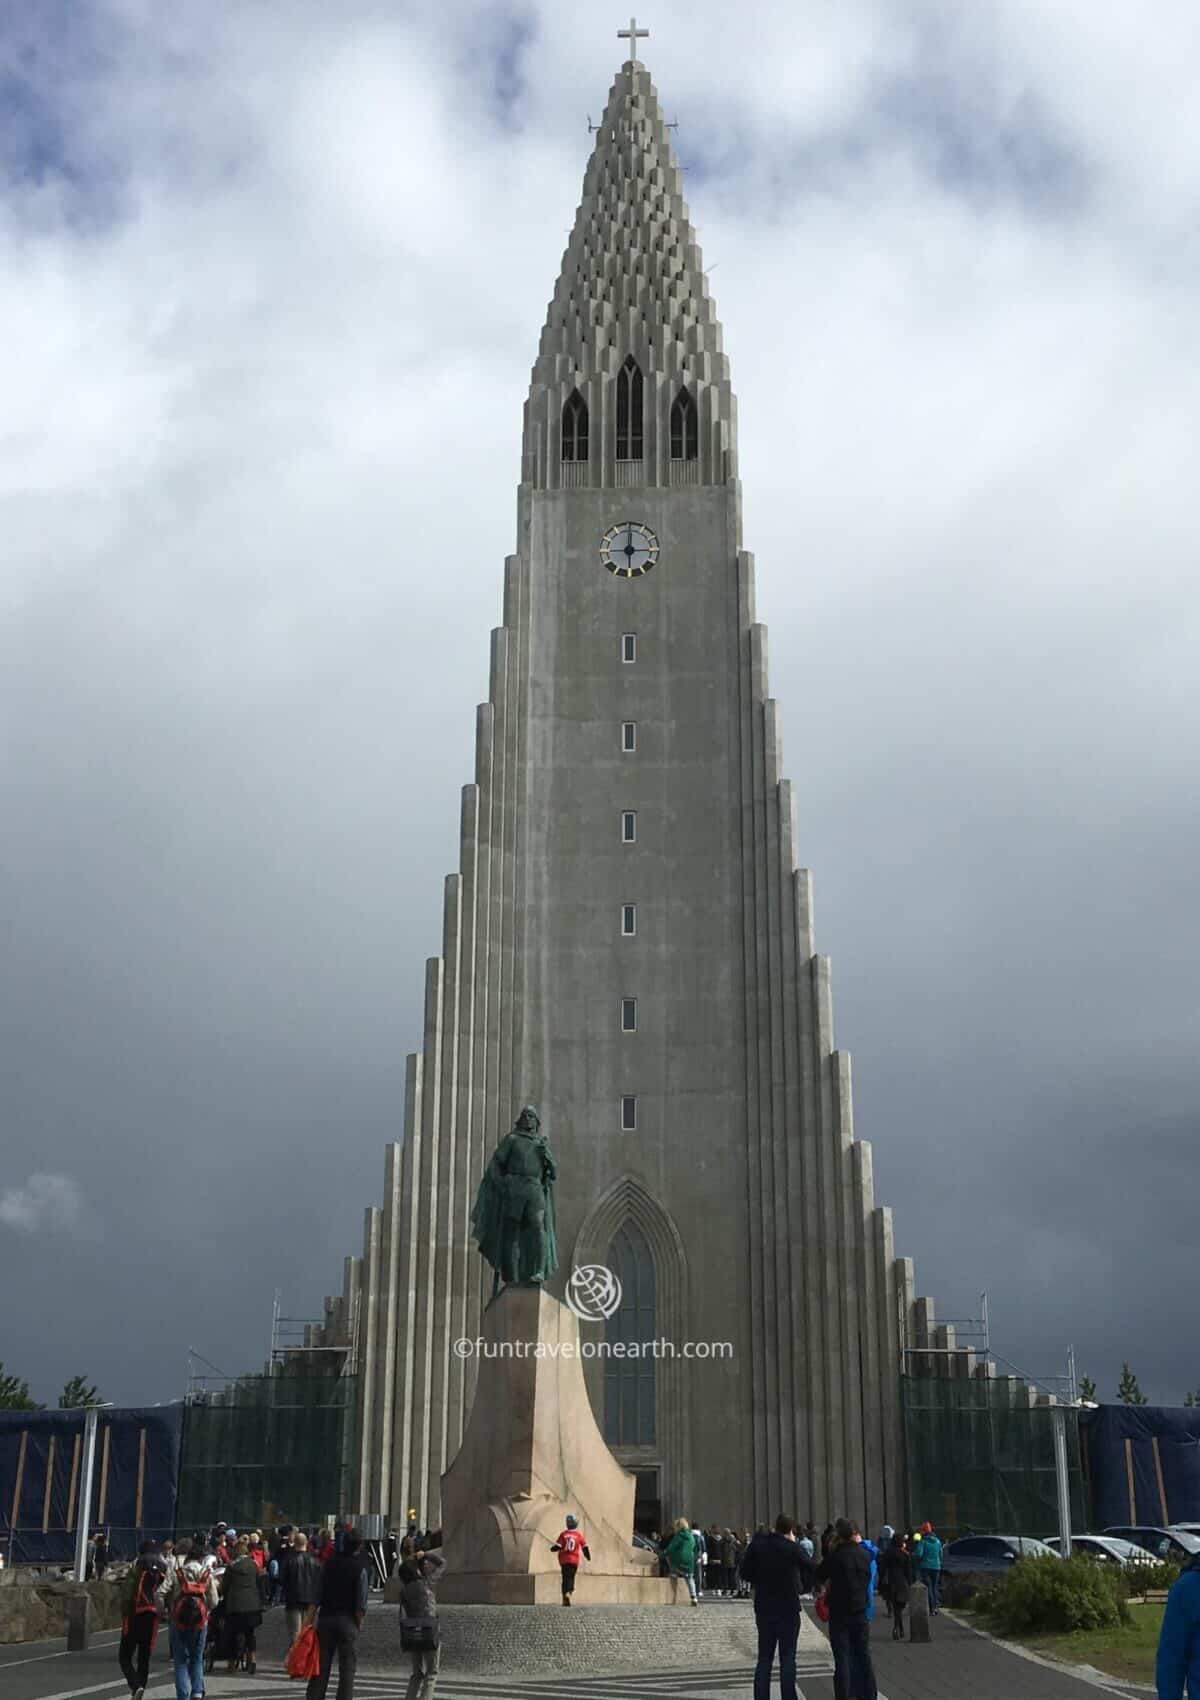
[{"x": 513, "y": 1219}]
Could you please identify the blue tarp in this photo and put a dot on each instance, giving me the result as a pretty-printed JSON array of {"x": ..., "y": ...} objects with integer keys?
[
  {"x": 134, "y": 1486},
  {"x": 1142, "y": 1464}
]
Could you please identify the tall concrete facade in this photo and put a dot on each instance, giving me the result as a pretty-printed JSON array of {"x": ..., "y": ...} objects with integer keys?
[{"x": 628, "y": 944}]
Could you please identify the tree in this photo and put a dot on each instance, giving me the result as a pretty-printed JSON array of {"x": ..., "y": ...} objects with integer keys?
[
  {"x": 1087, "y": 1389},
  {"x": 1192, "y": 1399},
  {"x": 77, "y": 1392},
  {"x": 14, "y": 1394},
  {"x": 1128, "y": 1391}
]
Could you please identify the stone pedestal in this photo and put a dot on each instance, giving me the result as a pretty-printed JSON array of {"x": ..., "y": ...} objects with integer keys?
[
  {"x": 79, "y": 1620},
  {"x": 532, "y": 1452},
  {"x": 918, "y": 1612}
]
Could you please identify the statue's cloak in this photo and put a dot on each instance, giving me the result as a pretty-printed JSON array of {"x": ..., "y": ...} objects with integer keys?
[{"x": 487, "y": 1217}]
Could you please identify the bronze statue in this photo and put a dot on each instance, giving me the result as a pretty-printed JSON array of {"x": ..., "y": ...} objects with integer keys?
[{"x": 513, "y": 1219}]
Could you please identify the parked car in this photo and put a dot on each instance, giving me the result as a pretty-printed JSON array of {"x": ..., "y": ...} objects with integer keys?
[
  {"x": 1110, "y": 1549},
  {"x": 1163, "y": 1543},
  {"x": 994, "y": 1553}
]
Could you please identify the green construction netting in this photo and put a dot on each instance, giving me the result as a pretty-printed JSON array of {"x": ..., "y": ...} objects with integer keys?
[
  {"x": 267, "y": 1449},
  {"x": 981, "y": 1458}
]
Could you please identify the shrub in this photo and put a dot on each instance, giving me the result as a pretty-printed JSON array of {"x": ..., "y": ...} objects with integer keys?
[
  {"x": 1056, "y": 1595},
  {"x": 1141, "y": 1578}
]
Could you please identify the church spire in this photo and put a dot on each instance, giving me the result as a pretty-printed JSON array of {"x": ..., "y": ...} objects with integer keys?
[{"x": 631, "y": 287}]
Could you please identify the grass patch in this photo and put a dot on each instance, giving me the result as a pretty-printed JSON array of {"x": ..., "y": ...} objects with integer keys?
[{"x": 1125, "y": 1650}]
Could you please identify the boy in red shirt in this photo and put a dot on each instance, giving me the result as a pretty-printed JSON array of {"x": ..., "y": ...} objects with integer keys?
[{"x": 570, "y": 1546}]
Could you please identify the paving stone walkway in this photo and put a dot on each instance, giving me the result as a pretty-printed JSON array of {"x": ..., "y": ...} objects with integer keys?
[{"x": 959, "y": 1664}]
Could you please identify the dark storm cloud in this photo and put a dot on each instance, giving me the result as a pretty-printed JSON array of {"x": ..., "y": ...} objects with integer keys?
[{"x": 261, "y": 440}]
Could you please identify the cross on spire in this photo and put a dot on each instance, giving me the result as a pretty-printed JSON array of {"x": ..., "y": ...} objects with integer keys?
[{"x": 632, "y": 34}]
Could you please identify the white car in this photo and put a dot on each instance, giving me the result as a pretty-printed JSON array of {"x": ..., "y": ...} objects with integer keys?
[{"x": 1109, "y": 1548}]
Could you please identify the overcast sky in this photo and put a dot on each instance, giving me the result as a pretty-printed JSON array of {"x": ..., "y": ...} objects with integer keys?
[{"x": 271, "y": 281}]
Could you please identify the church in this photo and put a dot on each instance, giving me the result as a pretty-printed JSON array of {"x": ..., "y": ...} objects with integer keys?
[{"x": 628, "y": 945}]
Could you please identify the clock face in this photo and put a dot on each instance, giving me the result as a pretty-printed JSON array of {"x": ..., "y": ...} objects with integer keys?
[{"x": 629, "y": 550}]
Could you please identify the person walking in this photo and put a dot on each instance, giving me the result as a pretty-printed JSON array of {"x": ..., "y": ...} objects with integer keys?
[
  {"x": 187, "y": 1596},
  {"x": 258, "y": 1553},
  {"x": 698, "y": 1537},
  {"x": 419, "y": 1577},
  {"x": 570, "y": 1546},
  {"x": 340, "y": 1607},
  {"x": 299, "y": 1580},
  {"x": 931, "y": 1566},
  {"x": 776, "y": 1567},
  {"x": 1178, "y": 1658},
  {"x": 886, "y": 1536},
  {"x": 681, "y": 1556},
  {"x": 243, "y": 1608},
  {"x": 728, "y": 1561},
  {"x": 897, "y": 1576},
  {"x": 743, "y": 1587},
  {"x": 807, "y": 1542},
  {"x": 846, "y": 1574},
  {"x": 139, "y": 1617}
]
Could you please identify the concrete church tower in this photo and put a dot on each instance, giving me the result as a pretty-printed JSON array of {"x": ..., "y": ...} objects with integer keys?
[{"x": 628, "y": 945}]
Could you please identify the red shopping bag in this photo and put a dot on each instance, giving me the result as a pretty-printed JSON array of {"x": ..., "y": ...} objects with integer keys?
[
  {"x": 822, "y": 1605},
  {"x": 304, "y": 1657}
]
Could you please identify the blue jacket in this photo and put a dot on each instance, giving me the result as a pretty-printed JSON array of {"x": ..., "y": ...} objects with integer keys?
[
  {"x": 870, "y": 1547},
  {"x": 1179, "y": 1639},
  {"x": 931, "y": 1553}
]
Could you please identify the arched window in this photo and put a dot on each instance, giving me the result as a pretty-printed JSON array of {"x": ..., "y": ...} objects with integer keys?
[
  {"x": 629, "y": 411},
  {"x": 629, "y": 1382},
  {"x": 575, "y": 427},
  {"x": 685, "y": 440}
]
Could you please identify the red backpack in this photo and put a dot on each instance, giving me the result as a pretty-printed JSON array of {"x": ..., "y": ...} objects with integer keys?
[
  {"x": 149, "y": 1578},
  {"x": 190, "y": 1610}
]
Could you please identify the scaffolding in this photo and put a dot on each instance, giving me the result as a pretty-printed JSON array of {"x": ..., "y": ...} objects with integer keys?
[
  {"x": 980, "y": 1451},
  {"x": 259, "y": 1450}
]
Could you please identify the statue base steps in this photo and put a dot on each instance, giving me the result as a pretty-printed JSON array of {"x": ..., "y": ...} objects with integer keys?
[
  {"x": 494, "y": 1645},
  {"x": 542, "y": 1589}
]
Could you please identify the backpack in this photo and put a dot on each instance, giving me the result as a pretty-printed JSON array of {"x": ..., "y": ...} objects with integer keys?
[
  {"x": 418, "y": 1634},
  {"x": 190, "y": 1611},
  {"x": 149, "y": 1578}
]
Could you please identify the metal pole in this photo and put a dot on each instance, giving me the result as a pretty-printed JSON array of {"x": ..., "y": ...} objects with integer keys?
[
  {"x": 90, "y": 1421},
  {"x": 1059, "y": 1416}
]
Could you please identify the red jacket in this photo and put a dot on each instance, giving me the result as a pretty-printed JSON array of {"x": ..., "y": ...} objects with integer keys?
[{"x": 571, "y": 1546}]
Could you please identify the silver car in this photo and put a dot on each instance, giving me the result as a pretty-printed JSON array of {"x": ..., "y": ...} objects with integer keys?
[
  {"x": 1110, "y": 1549},
  {"x": 1158, "y": 1541}
]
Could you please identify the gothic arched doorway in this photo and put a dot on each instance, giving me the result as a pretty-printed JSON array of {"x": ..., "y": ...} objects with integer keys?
[{"x": 639, "y": 1398}]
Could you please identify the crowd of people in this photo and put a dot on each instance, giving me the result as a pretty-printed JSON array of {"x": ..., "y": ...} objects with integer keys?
[
  {"x": 711, "y": 1559},
  {"x": 213, "y": 1591},
  {"x": 791, "y": 1563}
]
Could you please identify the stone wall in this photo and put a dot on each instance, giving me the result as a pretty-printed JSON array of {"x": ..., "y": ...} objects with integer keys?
[{"x": 35, "y": 1609}]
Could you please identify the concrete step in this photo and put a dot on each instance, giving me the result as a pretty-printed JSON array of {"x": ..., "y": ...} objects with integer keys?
[{"x": 531, "y": 1641}]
